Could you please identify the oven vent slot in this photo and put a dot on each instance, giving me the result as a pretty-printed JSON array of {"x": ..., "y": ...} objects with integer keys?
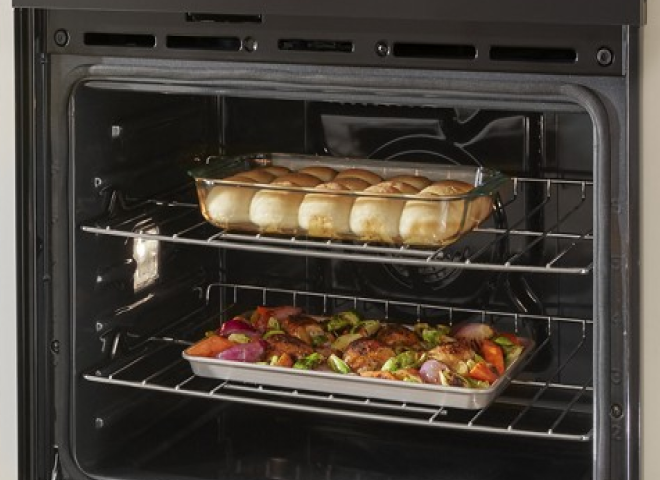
[
  {"x": 97, "y": 39},
  {"x": 195, "y": 17},
  {"x": 303, "y": 45},
  {"x": 225, "y": 44},
  {"x": 533, "y": 54},
  {"x": 434, "y": 50}
]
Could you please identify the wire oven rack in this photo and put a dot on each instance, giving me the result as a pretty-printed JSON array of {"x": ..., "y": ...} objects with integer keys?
[
  {"x": 181, "y": 222},
  {"x": 532, "y": 408}
]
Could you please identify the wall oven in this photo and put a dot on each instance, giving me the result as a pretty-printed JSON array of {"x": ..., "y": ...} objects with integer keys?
[{"x": 120, "y": 272}]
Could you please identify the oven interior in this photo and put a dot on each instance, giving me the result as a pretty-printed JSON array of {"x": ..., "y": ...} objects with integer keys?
[{"x": 149, "y": 276}]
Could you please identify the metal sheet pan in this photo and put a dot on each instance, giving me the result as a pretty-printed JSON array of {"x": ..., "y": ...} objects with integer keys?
[{"x": 354, "y": 385}]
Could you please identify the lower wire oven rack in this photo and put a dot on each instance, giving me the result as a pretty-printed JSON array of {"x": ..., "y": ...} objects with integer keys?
[
  {"x": 524, "y": 225},
  {"x": 540, "y": 407}
]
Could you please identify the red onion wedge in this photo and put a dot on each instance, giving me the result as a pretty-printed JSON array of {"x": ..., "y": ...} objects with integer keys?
[
  {"x": 244, "y": 352},
  {"x": 236, "y": 325},
  {"x": 473, "y": 331},
  {"x": 430, "y": 371}
]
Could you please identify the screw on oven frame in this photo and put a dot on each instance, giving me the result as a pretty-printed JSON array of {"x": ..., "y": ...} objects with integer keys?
[
  {"x": 616, "y": 410},
  {"x": 250, "y": 44},
  {"x": 382, "y": 49},
  {"x": 55, "y": 346},
  {"x": 61, "y": 38},
  {"x": 604, "y": 57}
]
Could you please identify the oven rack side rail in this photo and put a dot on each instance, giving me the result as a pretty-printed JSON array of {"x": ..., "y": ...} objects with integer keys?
[
  {"x": 537, "y": 410},
  {"x": 176, "y": 221}
]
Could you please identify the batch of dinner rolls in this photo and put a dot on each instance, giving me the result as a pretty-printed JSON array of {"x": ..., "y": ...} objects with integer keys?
[{"x": 374, "y": 215}]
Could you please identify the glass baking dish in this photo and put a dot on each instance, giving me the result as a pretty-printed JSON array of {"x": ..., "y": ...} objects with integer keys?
[{"x": 345, "y": 198}]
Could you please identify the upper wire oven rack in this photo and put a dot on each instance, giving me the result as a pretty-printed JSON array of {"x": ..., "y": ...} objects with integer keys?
[
  {"x": 542, "y": 406},
  {"x": 532, "y": 222}
]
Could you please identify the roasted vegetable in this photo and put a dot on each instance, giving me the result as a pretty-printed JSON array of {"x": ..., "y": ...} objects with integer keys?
[
  {"x": 210, "y": 346},
  {"x": 493, "y": 354},
  {"x": 236, "y": 325},
  {"x": 309, "y": 362},
  {"x": 239, "y": 338},
  {"x": 244, "y": 352},
  {"x": 473, "y": 331},
  {"x": 408, "y": 359},
  {"x": 342, "y": 321},
  {"x": 431, "y": 371},
  {"x": 481, "y": 371},
  {"x": 366, "y": 328},
  {"x": 344, "y": 341},
  {"x": 336, "y": 364}
]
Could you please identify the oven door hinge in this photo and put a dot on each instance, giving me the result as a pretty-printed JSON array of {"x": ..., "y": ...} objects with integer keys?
[{"x": 56, "y": 473}]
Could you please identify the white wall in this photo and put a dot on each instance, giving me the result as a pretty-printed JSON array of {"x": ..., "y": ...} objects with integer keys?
[
  {"x": 650, "y": 255},
  {"x": 8, "y": 444}
]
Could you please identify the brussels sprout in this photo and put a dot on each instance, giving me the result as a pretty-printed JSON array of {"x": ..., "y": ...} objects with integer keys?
[
  {"x": 351, "y": 316},
  {"x": 309, "y": 362},
  {"x": 318, "y": 340},
  {"x": 270, "y": 333},
  {"x": 343, "y": 320},
  {"x": 338, "y": 365},
  {"x": 512, "y": 353},
  {"x": 238, "y": 338},
  {"x": 368, "y": 327},
  {"x": 273, "y": 324},
  {"x": 407, "y": 359},
  {"x": 453, "y": 379},
  {"x": 344, "y": 341},
  {"x": 503, "y": 341},
  {"x": 433, "y": 336},
  {"x": 412, "y": 379}
]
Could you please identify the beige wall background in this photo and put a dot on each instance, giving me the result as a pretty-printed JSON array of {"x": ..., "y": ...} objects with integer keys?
[
  {"x": 8, "y": 443},
  {"x": 650, "y": 254}
]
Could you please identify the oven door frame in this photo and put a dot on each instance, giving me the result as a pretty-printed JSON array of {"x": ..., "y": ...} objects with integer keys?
[{"x": 44, "y": 229}]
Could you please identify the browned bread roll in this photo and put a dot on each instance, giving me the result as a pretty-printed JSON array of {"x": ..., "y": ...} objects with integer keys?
[
  {"x": 400, "y": 187},
  {"x": 276, "y": 170},
  {"x": 226, "y": 204},
  {"x": 259, "y": 175},
  {"x": 360, "y": 173},
  {"x": 415, "y": 180},
  {"x": 277, "y": 210},
  {"x": 377, "y": 218},
  {"x": 298, "y": 179},
  {"x": 325, "y": 174},
  {"x": 326, "y": 213},
  {"x": 353, "y": 184},
  {"x": 433, "y": 220}
]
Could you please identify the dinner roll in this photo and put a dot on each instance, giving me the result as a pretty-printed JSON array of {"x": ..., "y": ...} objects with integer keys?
[
  {"x": 276, "y": 211},
  {"x": 259, "y": 175},
  {"x": 298, "y": 179},
  {"x": 276, "y": 170},
  {"x": 326, "y": 214},
  {"x": 401, "y": 187},
  {"x": 227, "y": 204},
  {"x": 415, "y": 180},
  {"x": 360, "y": 173},
  {"x": 353, "y": 184},
  {"x": 325, "y": 174},
  {"x": 377, "y": 218},
  {"x": 432, "y": 220}
]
